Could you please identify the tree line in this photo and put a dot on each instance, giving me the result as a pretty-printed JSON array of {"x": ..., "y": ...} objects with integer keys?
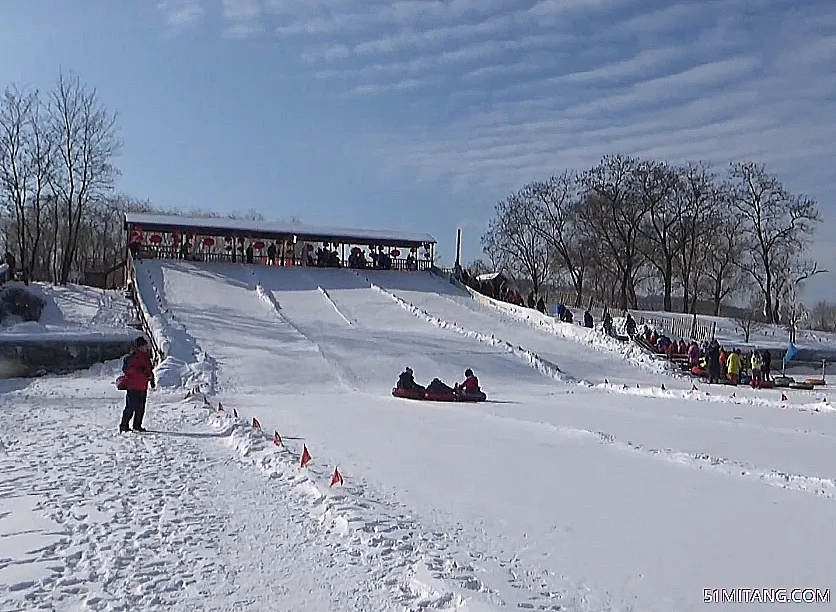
[
  {"x": 629, "y": 227},
  {"x": 60, "y": 215}
]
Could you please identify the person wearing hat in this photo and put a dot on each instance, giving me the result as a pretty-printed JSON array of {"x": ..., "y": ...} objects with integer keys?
[
  {"x": 137, "y": 374},
  {"x": 407, "y": 381},
  {"x": 470, "y": 384}
]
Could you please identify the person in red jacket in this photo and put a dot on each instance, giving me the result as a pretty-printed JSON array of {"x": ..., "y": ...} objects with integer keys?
[
  {"x": 138, "y": 373},
  {"x": 470, "y": 384}
]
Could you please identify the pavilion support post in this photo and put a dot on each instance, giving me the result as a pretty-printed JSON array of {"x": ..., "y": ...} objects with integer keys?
[{"x": 458, "y": 247}]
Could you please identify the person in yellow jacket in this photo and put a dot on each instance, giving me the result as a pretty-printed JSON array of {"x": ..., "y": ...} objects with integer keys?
[
  {"x": 733, "y": 366},
  {"x": 756, "y": 370}
]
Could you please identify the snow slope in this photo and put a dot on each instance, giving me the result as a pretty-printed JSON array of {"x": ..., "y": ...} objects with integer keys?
[
  {"x": 587, "y": 497},
  {"x": 580, "y": 353}
]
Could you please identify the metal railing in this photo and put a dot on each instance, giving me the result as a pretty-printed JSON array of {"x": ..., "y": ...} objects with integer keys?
[
  {"x": 142, "y": 312},
  {"x": 684, "y": 327},
  {"x": 150, "y": 251}
]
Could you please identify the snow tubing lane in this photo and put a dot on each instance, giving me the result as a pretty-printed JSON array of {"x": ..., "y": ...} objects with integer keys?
[{"x": 437, "y": 397}]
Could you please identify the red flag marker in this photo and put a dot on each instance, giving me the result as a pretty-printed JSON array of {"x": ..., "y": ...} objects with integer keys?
[
  {"x": 606, "y": 382},
  {"x": 694, "y": 388},
  {"x": 256, "y": 424},
  {"x": 637, "y": 385},
  {"x": 734, "y": 394},
  {"x": 663, "y": 386},
  {"x": 221, "y": 407},
  {"x": 306, "y": 456},
  {"x": 337, "y": 478},
  {"x": 783, "y": 397},
  {"x": 235, "y": 412},
  {"x": 277, "y": 439}
]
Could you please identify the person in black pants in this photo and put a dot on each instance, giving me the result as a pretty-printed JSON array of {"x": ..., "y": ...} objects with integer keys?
[
  {"x": 713, "y": 357},
  {"x": 137, "y": 374}
]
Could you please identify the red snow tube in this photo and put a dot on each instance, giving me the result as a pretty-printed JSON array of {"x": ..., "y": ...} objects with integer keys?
[
  {"x": 698, "y": 371},
  {"x": 479, "y": 396},
  {"x": 440, "y": 397},
  {"x": 416, "y": 394}
]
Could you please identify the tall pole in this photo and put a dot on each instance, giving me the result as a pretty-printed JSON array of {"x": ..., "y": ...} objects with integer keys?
[{"x": 458, "y": 247}]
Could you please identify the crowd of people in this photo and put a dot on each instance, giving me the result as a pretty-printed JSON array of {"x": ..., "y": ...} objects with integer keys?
[{"x": 710, "y": 359}]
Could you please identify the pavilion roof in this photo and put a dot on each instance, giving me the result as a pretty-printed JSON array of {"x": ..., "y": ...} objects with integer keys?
[{"x": 273, "y": 230}]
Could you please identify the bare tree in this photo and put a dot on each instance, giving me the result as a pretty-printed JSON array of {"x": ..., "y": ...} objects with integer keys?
[
  {"x": 777, "y": 224},
  {"x": 511, "y": 233},
  {"x": 698, "y": 198},
  {"x": 477, "y": 267},
  {"x": 724, "y": 249},
  {"x": 553, "y": 214},
  {"x": 86, "y": 143},
  {"x": 823, "y": 316},
  {"x": 16, "y": 109},
  {"x": 656, "y": 186},
  {"x": 748, "y": 319},
  {"x": 613, "y": 214},
  {"x": 25, "y": 165}
]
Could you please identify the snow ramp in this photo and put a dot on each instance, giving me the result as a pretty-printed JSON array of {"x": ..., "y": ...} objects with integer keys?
[
  {"x": 255, "y": 350},
  {"x": 580, "y": 353},
  {"x": 276, "y": 329},
  {"x": 369, "y": 339}
]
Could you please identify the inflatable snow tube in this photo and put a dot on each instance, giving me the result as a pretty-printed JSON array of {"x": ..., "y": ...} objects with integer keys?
[
  {"x": 471, "y": 397},
  {"x": 440, "y": 397},
  {"x": 801, "y": 385},
  {"x": 417, "y": 394},
  {"x": 816, "y": 382},
  {"x": 783, "y": 381},
  {"x": 698, "y": 371},
  {"x": 765, "y": 384}
]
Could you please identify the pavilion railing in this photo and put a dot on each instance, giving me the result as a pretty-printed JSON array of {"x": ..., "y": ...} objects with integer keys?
[{"x": 150, "y": 251}]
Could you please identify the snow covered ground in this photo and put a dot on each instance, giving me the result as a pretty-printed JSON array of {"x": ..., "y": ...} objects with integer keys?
[
  {"x": 561, "y": 493},
  {"x": 74, "y": 312}
]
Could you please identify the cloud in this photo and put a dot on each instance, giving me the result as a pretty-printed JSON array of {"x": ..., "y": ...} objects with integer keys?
[
  {"x": 479, "y": 97},
  {"x": 243, "y": 17},
  {"x": 180, "y": 13}
]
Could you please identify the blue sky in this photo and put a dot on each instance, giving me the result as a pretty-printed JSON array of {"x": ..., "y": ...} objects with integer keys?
[{"x": 420, "y": 114}]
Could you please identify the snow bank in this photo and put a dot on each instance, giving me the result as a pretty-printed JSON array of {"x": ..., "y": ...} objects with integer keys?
[
  {"x": 382, "y": 541},
  {"x": 334, "y": 304},
  {"x": 593, "y": 338},
  {"x": 183, "y": 363}
]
